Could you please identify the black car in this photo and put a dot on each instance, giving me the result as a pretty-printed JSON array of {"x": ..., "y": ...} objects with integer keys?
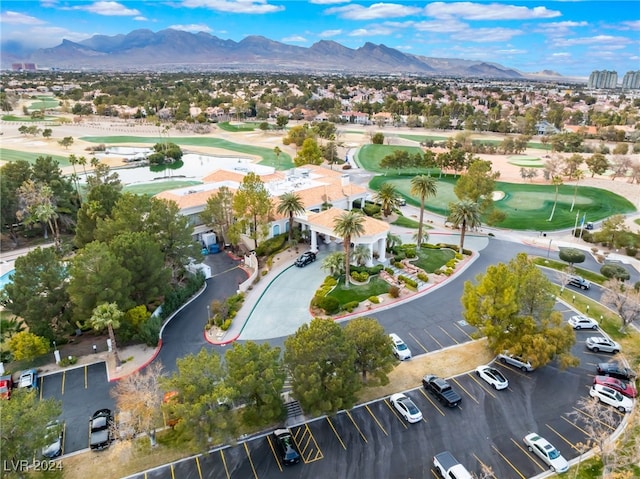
[
  {"x": 305, "y": 259},
  {"x": 287, "y": 450},
  {"x": 100, "y": 426},
  {"x": 616, "y": 370}
]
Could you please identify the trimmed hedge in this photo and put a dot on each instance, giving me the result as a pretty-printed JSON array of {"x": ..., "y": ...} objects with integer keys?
[
  {"x": 350, "y": 306},
  {"x": 408, "y": 281},
  {"x": 328, "y": 303},
  {"x": 615, "y": 271},
  {"x": 272, "y": 245},
  {"x": 374, "y": 299}
]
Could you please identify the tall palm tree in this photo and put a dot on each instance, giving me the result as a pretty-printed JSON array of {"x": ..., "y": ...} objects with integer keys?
[
  {"x": 277, "y": 151},
  {"x": 465, "y": 214},
  {"x": 348, "y": 225},
  {"x": 387, "y": 197},
  {"x": 555, "y": 181},
  {"x": 578, "y": 175},
  {"x": 423, "y": 186},
  {"x": 107, "y": 315},
  {"x": 290, "y": 204}
]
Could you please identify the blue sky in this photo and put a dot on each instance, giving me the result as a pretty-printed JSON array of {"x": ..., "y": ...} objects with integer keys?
[{"x": 572, "y": 37}]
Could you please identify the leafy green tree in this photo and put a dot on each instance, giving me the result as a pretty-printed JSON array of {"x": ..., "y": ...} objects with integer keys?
[
  {"x": 387, "y": 197},
  {"x": 423, "y": 187},
  {"x": 512, "y": 305},
  {"x": 218, "y": 212},
  {"x": 96, "y": 277},
  {"x": 374, "y": 359},
  {"x": 396, "y": 160},
  {"x": 199, "y": 382},
  {"x": 290, "y": 204},
  {"x": 572, "y": 255},
  {"x": 464, "y": 214},
  {"x": 282, "y": 121},
  {"x": 24, "y": 421},
  {"x": 252, "y": 206},
  {"x": 277, "y": 151},
  {"x": 107, "y": 316},
  {"x": 256, "y": 374},
  {"x": 297, "y": 135},
  {"x": 26, "y": 346},
  {"x": 324, "y": 129},
  {"x": 612, "y": 230},
  {"x": 377, "y": 138},
  {"x": 597, "y": 164},
  {"x": 309, "y": 154},
  {"x": 477, "y": 185},
  {"x": 322, "y": 364},
  {"x": 348, "y": 225},
  {"x": 38, "y": 206},
  {"x": 66, "y": 142},
  {"x": 47, "y": 132},
  {"x": 38, "y": 293},
  {"x": 12, "y": 176}
]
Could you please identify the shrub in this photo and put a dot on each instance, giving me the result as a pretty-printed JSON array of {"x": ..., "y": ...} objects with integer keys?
[
  {"x": 451, "y": 263},
  {"x": 410, "y": 251},
  {"x": 181, "y": 294},
  {"x": 424, "y": 277},
  {"x": 408, "y": 281},
  {"x": 615, "y": 271},
  {"x": 350, "y": 306},
  {"x": 394, "y": 291},
  {"x": 631, "y": 251},
  {"x": 377, "y": 138},
  {"x": 68, "y": 361},
  {"x": 360, "y": 277},
  {"x": 374, "y": 299},
  {"x": 371, "y": 209},
  {"x": 389, "y": 271},
  {"x": 458, "y": 256},
  {"x": 398, "y": 265},
  {"x": 149, "y": 331},
  {"x": 226, "y": 324},
  {"x": 571, "y": 255},
  {"x": 272, "y": 245},
  {"x": 329, "y": 304},
  {"x": 448, "y": 271}
]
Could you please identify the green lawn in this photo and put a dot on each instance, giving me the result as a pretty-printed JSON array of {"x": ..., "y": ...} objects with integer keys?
[
  {"x": 432, "y": 259},
  {"x": 527, "y": 206},
  {"x": 526, "y": 161},
  {"x": 359, "y": 293},
  {"x": 268, "y": 156},
  {"x": 420, "y": 138},
  {"x": 28, "y": 119},
  {"x": 370, "y": 156},
  {"x": 15, "y": 155},
  {"x": 226, "y": 126},
  {"x": 405, "y": 222},
  {"x": 151, "y": 189},
  {"x": 44, "y": 105}
]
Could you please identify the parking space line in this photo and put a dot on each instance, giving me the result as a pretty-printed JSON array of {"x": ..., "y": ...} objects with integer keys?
[
  {"x": 354, "y": 423},
  {"x": 431, "y": 336},
  {"x": 562, "y": 437},
  {"x": 460, "y": 328},
  {"x": 41, "y": 387},
  {"x": 305, "y": 434},
  {"x": 513, "y": 370},
  {"x": 86, "y": 377},
  {"x": 64, "y": 376},
  {"x": 485, "y": 468},
  {"x": 595, "y": 418},
  {"x": 273, "y": 451},
  {"x": 336, "y": 433},
  {"x": 431, "y": 401},
  {"x": 447, "y": 333},
  {"x": 376, "y": 420},
  {"x": 419, "y": 343},
  {"x": 198, "y": 466},
  {"x": 487, "y": 390},
  {"x": 576, "y": 426},
  {"x": 224, "y": 463},
  {"x": 173, "y": 472},
  {"x": 508, "y": 462},
  {"x": 526, "y": 452},
  {"x": 464, "y": 389},
  {"x": 395, "y": 413},
  {"x": 246, "y": 448}
]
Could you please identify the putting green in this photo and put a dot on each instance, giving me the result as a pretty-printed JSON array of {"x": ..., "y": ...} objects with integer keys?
[
  {"x": 15, "y": 155},
  {"x": 526, "y": 161}
]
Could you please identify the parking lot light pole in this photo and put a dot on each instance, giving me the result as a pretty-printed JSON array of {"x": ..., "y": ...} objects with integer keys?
[{"x": 549, "y": 248}]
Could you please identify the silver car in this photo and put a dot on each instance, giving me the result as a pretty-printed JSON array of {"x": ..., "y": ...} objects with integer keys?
[
  {"x": 516, "y": 361},
  {"x": 600, "y": 343}
]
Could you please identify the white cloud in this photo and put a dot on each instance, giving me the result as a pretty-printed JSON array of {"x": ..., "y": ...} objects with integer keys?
[
  {"x": 631, "y": 25},
  {"x": 329, "y": 33},
  {"x": 193, "y": 27},
  {"x": 19, "y": 18},
  {"x": 403, "y": 47},
  {"x": 555, "y": 29},
  {"x": 108, "y": 9},
  {"x": 561, "y": 55},
  {"x": 374, "y": 11},
  {"x": 595, "y": 40},
  {"x": 486, "y": 35},
  {"x": 44, "y": 36},
  {"x": 487, "y": 11},
  {"x": 235, "y": 6},
  {"x": 328, "y": 2},
  {"x": 510, "y": 51},
  {"x": 141, "y": 19},
  {"x": 371, "y": 31},
  {"x": 441, "y": 26},
  {"x": 294, "y": 39}
]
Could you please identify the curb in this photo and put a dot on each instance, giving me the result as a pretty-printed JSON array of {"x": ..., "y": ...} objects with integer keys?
[{"x": 149, "y": 360}]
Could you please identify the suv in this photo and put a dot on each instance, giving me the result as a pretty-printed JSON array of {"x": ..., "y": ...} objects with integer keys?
[
  {"x": 616, "y": 370},
  {"x": 578, "y": 282},
  {"x": 288, "y": 452},
  {"x": 305, "y": 259},
  {"x": 400, "y": 349},
  {"x": 28, "y": 379}
]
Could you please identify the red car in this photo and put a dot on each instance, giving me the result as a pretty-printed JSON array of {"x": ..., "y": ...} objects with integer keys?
[
  {"x": 624, "y": 387},
  {"x": 6, "y": 383}
]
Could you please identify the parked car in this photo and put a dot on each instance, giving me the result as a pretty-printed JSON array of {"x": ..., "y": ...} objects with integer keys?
[
  {"x": 442, "y": 390},
  {"x": 406, "y": 407},
  {"x": 6, "y": 384},
  {"x": 400, "y": 349},
  {"x": 546, "y": 452},
  {"x": 616, "y": 370},
  {"x": 626, "y": 388},
  {"x": 583, "y": 322},
  {"x": 54, "y": 434},
  {"x": 611, "y": 397},
  {"x": 578, "y": 282},
  {"x": 305, "y": 259},
  {"x": 28, "y": 379},
  {"x": 516, "y": 361},
  {"x": 288, "y": 452},
  {"x": 401, "y": 201},
  {"x": 493, "y": 377},
  {"x": 100, "y": 425},
  {"x": 600, "y": 343}
]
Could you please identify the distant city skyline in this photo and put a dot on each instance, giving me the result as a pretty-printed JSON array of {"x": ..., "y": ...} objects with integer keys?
[{"x": 572, "y": 38}]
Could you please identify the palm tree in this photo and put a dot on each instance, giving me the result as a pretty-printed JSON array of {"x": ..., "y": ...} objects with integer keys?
[
  {"x": 277, "y": 151},
  {"x": 387, "y": 197},
  {"x": 290, "y": 204},
  {"x": 73, "y": 159},
  {"x": 423, "y": 186},
  {"x": 424, "y": 239},
  {"x": 107, "y": 315},
  {"x": 556, "y": 181},
  {"x": 465, "y": 214},
  {"x": 334, "y": 263},
  {"x": 393, "y": 240},
  {"x": 348, "y": 225},
  {"x": 361, "y": 254},
  {"x": 578, "y": 175}
]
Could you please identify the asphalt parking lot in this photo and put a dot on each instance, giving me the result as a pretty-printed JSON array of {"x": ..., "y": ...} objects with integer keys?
[{"x": 373, "y": 441}]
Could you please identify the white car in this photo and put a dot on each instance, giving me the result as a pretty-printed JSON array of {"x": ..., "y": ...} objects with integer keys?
[
  {"x": 400, "y": 349},
  {"x": 545, "y": 451},
  {"x": 583, "y": 322},
  {"x": 611, "y": 397},
  {"x": 492, "y": 376},
  {"x": 406, "y": 407},
  {"x": 600, "y": 343},
  {"x": 516, "y": 361}
]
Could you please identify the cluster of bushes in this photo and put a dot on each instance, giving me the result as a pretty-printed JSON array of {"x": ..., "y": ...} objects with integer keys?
[
  {"x": 624, "y": 239},
  {"x": 328, "y": 303},
  {"x": 371, "y": 270},
  {"x": 360, "y": 277},
  {"x": 394, "y": 291},
  {"x": 447, "y": 271},
  {"x": 410, "y": 283},
  {"x": 615, "y": 271},
  {"x": 404, "y": 251},
  {"x": 272, "y": 245},
  {"x": 140, "y": 327},
  {"x": 223, "y": 312},
  {"x": 178, "y": 296},
  {"x": 424, "y": 277},
  {"x": 350, "y": 306}
]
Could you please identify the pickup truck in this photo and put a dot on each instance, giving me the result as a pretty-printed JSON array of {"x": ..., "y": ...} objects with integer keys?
[
  {"x": 448, "y": 467},
  {"x": 442, "y": 390}
]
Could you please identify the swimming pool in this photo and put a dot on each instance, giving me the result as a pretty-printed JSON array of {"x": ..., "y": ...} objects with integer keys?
[{"x": 6, "y": 278}]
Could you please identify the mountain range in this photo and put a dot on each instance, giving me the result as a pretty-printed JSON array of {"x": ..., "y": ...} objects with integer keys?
[{"x": 176, "y": 50}]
